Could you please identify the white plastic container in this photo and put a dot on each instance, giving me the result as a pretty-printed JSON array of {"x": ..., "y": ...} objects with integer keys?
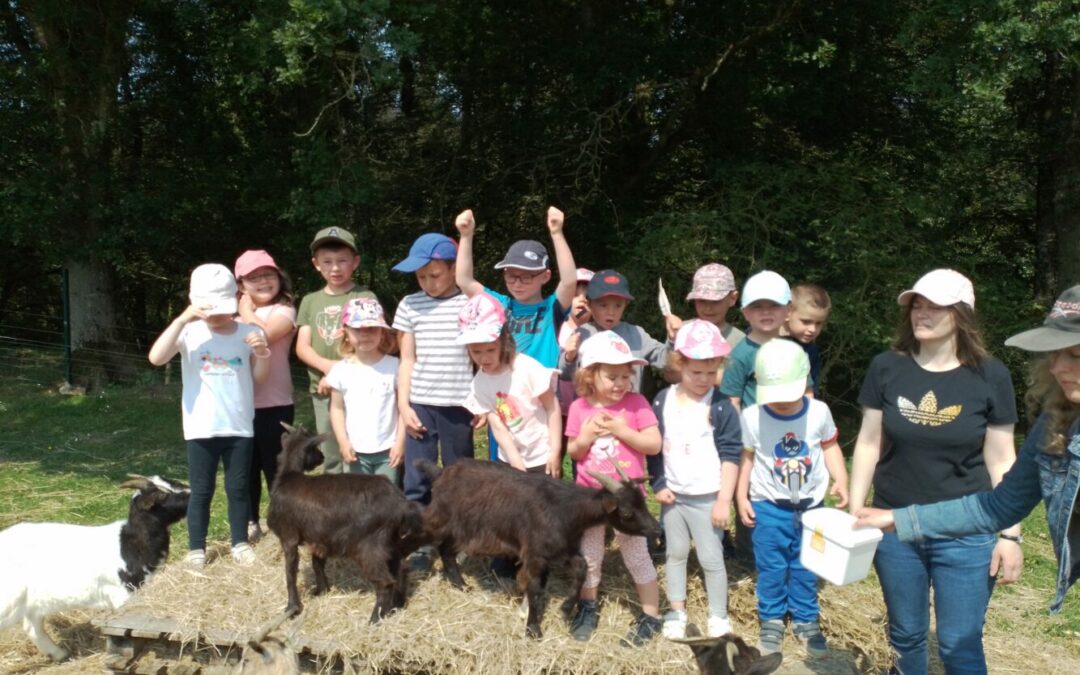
[{"x": 833, "y": 549}]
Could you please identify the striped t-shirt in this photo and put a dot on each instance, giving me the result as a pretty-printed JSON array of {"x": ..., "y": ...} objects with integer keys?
[{"x": 443, "y": 371}]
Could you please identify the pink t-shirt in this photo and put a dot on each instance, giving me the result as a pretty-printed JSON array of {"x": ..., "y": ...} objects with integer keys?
[
  {"x": 605, "y": 450},
  {"x": 277, "y": 389}
]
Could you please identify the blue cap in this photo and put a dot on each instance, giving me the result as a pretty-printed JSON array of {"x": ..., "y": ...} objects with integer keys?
[{"x": 428, "y": 247}]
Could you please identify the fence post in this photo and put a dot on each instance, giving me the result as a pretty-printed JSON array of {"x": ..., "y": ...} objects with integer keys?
[{"x": 66, "y": 302}]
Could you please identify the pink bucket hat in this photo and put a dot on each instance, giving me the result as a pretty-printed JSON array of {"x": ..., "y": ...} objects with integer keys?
[
  {"x": 363, "y": 313},
  {"x": 249, "y": 261},
  {"x": 608, "y": 348},
  {"x": 700, "y": 340},
  {"x": 480, "y": 320},
  {"x": 942, "y": 287},
  {"x": 712, "y": 282}
]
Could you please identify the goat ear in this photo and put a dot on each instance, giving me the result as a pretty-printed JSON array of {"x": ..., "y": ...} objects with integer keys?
[
  {"x": 288, "y": 427},
  {"x": 136, "y": 482}
]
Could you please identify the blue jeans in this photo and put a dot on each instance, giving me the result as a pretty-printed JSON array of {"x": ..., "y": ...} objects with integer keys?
[
  {"x": 447, "y": 426},
  {"x": 959, "y": 572},
  {"x": 783, "y": 585},
  {"x": 203, "y": 456}
]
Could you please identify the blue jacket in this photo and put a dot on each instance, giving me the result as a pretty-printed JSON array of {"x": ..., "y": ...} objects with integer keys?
[
  {"x": 727, "y": 434},
  {"x": 1035, "y": 475}
]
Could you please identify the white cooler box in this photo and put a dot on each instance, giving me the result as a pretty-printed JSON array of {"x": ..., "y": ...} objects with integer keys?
[{"x": 835, "y": 551}]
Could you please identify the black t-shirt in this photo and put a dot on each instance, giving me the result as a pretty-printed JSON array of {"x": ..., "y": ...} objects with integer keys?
[{"x": 933, "y": 425}]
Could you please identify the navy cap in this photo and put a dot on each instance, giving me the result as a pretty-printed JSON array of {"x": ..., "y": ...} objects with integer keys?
[
  {"x": 608, "y": 282},
  {"x": 428, "y": 247},
  {"x": 527, "y": 255}
]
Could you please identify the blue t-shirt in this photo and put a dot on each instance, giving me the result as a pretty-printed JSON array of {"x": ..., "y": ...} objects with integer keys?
[
  {"x": 739, "y": 379},
  {"x": 535, "y": 326}
]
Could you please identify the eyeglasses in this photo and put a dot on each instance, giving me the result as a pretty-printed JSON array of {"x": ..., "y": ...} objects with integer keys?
[{"x": 518, "y": 278}]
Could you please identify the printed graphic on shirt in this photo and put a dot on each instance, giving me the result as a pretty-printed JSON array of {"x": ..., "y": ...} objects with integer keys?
[
  {"x": 508, "y": 411},
  {"x": 328, "y": 324},
  {"x": 219, "y": 365},
  {"x": 927, "y": 412},
  {"x": 604, "y": 455},
  {"x": 792, "y": 463},
  {"x": 526, "y": 325}
]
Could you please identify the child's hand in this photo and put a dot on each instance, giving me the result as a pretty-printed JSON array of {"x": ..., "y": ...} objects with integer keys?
[
  {"x": 721, "y": 514},
  {"x": 554, "y": 465},
  {"x": 665, "y": 496},
  {"x": 245, "y": 307},
  {"x": 413, "y": 426},
  {"x": 673, "y": 324},
  {"x": 323, "y": 388},
  {"x": 465, "y": 223},
  {"x": 579, "y": 315},
  {"x": 613, "y": 424},
  {"x": 191, "y": 313},
  {"x": 517, "y": 463},
  {"x": 839, "y": 490},
  {"x": 746, "y": 513},
  {"x": 257, "y": 341},
  {"x": 397, "y": 455},
  {"x": 555, "y": 220},
  {"x": 478, "y": 421},
  {"x": 348, "y": 455},
  {"x": 572, "y": 344}
]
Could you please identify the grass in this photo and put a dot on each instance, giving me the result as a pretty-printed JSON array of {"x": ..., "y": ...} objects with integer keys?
[{"x": 61, "y": 458}]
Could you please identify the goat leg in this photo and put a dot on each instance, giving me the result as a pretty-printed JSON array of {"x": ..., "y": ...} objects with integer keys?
[
  {"x": 577, "y": 569},
  {"x": 384, "y": 601},
  {"x": 401, "y": 581},
  {"x": 292, "y": 563},
  {"x": 534, "y": 591},
  {"x": 449, "y": 562},
  {"x": 318, "y": 563},
  {"x": 34, "y": 626}
]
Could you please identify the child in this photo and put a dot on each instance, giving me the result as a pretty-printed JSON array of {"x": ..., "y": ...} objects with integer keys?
[
  {"x": 766, "y": 299},
  {"x": 513, "y": 391},
  {"x": 810, "y": 307},
  {"x": 335, "y": 256},
  {"x": 609, "y": 293},
  {"x": 363, "y": 399},
  {"x": 578, "y": 317},
  {"x": 609, "y": 426},
  {"x": 694, "y": 476},
  {"x": 790, "y": 442},
  {"x": 435, "y": 371},
  {"x": 714, "y": 294},
  {"x": 266, "y": 301},
  {"x": 220, "y": 360}
]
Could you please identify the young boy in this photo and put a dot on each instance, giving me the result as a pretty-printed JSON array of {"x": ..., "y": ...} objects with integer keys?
[
  {"x": 609, "y": 293},
  {"x": 335, "y": 256},
  {"x": 790, "y": 450},
  {"x": 766, "y": 300},
  {"x": 810, "y": 307},
  {"x": 714, "y": 294}
]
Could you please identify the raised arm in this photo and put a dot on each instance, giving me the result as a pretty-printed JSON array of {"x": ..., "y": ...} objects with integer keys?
[
  {"x": 167, "y": 344},
  {"x": 564, "y": 259},
  {"x": 463, "y": 270}
]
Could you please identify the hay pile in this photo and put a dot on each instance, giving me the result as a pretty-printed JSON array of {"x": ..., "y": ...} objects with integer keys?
[{"x": 479, "y": 630}]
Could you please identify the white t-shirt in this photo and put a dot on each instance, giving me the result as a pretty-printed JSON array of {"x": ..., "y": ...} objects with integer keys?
[
  {"x": 218, "y": 398},
  {"x": 787, "y": 452},
  {"x": 691, "y": 461},
  {"x": 370, "y": 402},
  {"x": 514, "y": 394}
]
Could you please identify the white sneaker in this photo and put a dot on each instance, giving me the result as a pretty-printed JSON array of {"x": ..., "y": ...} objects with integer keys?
[
  {"x": 719, "y": 625},
  {"x": 195, "y": 558},
  {"x": 243, "y": 554},
  {"x": 675, "y": 624}
]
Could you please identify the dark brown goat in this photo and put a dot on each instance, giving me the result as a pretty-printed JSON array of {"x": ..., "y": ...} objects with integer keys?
[
  {"x": 490, "y": 509},
  {"x": 728, "y": 655},
  {"x": 363, "y": 518}
]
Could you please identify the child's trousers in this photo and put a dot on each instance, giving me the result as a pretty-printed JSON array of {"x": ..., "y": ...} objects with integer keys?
[
  {"x": 783, "y": 584},
  {"x": 690, "y": 517},
  {"x": 448, "y": 427}
]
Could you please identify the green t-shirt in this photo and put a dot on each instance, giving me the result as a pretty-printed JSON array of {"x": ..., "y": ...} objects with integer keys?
[{"x": 322, "y": 312}]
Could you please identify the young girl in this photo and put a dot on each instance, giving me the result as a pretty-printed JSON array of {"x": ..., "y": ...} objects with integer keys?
[
  {"x": 220, "y": 361},
  {"x": 512, "y": 390},
  {"x": 266, "y": 301},
  {"x": 363, "y": 400},
  {"x": 609, "y": 426},
  {"x": 694, "y": 477}
]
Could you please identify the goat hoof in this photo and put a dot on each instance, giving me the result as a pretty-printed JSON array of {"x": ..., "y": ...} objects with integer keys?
[
  {"x": 534, "y": 632},
  {"x": 59, "y": 655},
  {"x": 294, "y": 610}
]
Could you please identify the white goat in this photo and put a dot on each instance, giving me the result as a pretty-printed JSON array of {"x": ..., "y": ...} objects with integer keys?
[{"x": 51, "y": 567}]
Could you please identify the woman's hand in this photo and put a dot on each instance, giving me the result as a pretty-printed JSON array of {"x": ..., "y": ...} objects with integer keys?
[
  {"x": 879, "y": 518},
  {"x": 1006, "y": 561}
]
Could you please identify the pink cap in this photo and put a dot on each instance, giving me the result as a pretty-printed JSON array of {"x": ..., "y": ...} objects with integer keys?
[
  {"x": 363, "y": 313},
  {"x": 584, "y": 276},
  {"x": 698, "y": 339},
  {"x": 712, "y": 282},
  {"x": 942, "y": 287},
  {"x": 608, "y": 348},
  {"x": 480, "y": 320},
  {"x": 249, "y": 261}
]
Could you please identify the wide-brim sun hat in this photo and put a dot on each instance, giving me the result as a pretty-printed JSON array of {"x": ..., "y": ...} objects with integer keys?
[
  {"x": 1060, "y": 329},
  {"x": 943, "y": 287}
]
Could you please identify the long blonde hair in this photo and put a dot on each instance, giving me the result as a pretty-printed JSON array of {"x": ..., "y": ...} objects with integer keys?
[{"x": 1044, "y": 395}]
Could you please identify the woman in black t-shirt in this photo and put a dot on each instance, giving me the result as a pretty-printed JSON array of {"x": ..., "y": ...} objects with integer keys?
[{"x": 938, "y": 416}]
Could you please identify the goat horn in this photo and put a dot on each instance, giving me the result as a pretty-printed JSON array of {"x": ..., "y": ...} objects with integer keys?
[
  {"x": 288, "y": 427},
  {"x": 622, "y": 474},
  {"x": 271, "y": 626},
  {"x": 732, "y": 651},
  {"x": 696, "y": 640},
  {"x": 609, "y": 483}
]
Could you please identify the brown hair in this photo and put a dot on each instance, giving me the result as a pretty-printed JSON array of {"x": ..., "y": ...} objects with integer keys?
[
  {"x": 1044, "y": 395},
  {"x": 678, "y": 361},
  {"x": 810, "y": 295},
  {"x": 388, "y": 343},
  {"x": 970, "y": 350},
  {"x": 285, "y": 292},
  {"x": 507, "y": 348}
]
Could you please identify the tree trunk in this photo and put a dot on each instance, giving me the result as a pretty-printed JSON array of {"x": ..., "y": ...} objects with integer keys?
[{"x": 1067, "y": 194}]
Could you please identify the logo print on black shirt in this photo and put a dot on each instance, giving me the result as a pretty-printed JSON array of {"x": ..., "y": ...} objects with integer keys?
[{"x": 927, "y": 411}]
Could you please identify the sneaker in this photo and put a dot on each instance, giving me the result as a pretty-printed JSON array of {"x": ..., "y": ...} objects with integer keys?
[
  {"x": 243, "y": 554},
  {"x": 195, "y": 558},
  {"x": 771, "y": 637},
  {"x": 643, "y": 629},
  {"x": 585, "y": 621},
  {"x": 809, "y": 634},
  {"x": 719, "y": 625},
  {"x": 255, "y": 532},
  {"x": 675, "y": 624},
  {"x": 420, "y": 561}
]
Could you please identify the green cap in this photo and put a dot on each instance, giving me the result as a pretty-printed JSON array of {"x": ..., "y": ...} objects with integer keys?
[
  {"x": 781, "y": 368},
  {"x": 333, "y": 235}
]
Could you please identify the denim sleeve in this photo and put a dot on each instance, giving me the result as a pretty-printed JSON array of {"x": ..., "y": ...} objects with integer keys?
[{"x": 1007, "y": 504}]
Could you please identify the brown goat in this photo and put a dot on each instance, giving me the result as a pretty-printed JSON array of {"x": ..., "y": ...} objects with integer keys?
[
  {"x": 728, "y": 655},
  {"x": 490, "y": 509},
  {"x": 363, "y": 518}
]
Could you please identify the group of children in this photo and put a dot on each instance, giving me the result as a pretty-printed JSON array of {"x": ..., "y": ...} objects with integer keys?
[{"x": 739, "y": 425}]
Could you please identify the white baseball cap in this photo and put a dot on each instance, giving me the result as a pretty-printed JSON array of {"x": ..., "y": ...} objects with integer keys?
[
  {"x": 766, "y": 286},
  {"x": 213, "y": 289},
  {"x": 942, "y": 287},
  {"x": 608, "y": 348},
  {"x": 781, "y": 368}
]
